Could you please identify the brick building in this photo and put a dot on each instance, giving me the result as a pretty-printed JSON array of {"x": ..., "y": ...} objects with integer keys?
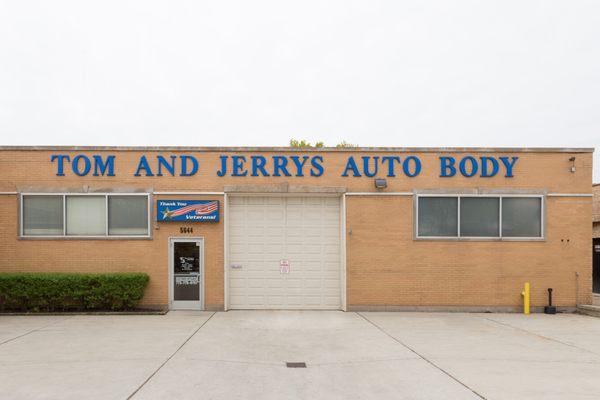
[
  {"x": 596, "y": 238},
  {"x": 283, "y": 228}
]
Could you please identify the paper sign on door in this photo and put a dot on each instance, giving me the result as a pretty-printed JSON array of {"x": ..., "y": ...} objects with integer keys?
[{"x": 284, "y": 266}]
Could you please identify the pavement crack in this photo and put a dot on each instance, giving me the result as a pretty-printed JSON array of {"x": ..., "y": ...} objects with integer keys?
[
  {"x": 170, "y": 357},
  {"x": 421, "y": 356},
  {"x": 541, "y": 336},
  {"x": 34, "y": 330}
]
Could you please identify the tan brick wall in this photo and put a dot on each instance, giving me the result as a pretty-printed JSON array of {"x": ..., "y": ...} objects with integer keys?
[
  {"x": 596, "y": 210},
  {"x": 549, "y": 171},
  {"x": 138, "y": 255},
  {"x": 596, "y": 202},
  {"x": 385, "y": 266}
]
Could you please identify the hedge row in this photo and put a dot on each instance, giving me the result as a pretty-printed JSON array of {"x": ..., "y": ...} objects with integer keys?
[{"x": 51, "y": 292}]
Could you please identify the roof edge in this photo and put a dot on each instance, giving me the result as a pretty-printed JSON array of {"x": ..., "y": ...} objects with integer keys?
[{"x": 307, "y": 149}]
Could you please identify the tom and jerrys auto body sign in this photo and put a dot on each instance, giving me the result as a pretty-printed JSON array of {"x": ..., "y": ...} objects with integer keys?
[{"x": 253, "y": 165}]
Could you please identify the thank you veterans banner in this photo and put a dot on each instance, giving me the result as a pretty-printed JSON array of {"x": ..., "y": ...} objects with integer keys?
[{"x": 187, "y": 210}]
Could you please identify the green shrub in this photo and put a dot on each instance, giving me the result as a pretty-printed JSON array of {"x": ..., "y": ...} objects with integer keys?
[{"x": 71, "y": 292}]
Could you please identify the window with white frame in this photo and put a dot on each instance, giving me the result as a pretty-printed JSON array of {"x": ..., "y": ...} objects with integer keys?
[
  {"x": 479, "y": 216},
  {"x": 93, "y": 215}
]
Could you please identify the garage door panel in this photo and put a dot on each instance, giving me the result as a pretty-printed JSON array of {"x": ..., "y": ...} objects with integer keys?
[
  {"x": 311, "y": 231},
  {"x": 248, "y": 267},
  {"x": 275, "y": 301},
  {"x": 245, "y": 259},
  {"x": 255, "y": 300},
  {"x": 274, "y": 248},
  {"x": 311, "y": 257},
  {"x": 276, "y": 231},
  {"x": 252, "y": 200},
  {"x": 274, "y": 286},
  {"x": 255, "y": 283},
  {"x": 312, "y": 269},
  {"x": 329, "y": 284},
  {"x": 295, "y": 214},
  {"x": 235, "y": 283},
  {"x": 273, "y": 200},
  {"x": 293, "y": 233},
  {"x": 254, "y": 247},
  {"x": 312, "y": 291},
  {"x": 333, "y": 202},
  {"x": 303, "y": 230},
  {"x": 331, "y": 250},
  {"x": 312, "y": 301},
  {"x": 312, "y": 283},
  {"x": 330, "y": 301},
  {"x": 293, "y": 201},
  {"x": 291, "y": 283},
  {"x": 299, "y": 249}
]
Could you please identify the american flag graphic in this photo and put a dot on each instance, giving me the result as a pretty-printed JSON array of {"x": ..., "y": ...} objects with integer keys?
[{"x": 197, "y": 209}]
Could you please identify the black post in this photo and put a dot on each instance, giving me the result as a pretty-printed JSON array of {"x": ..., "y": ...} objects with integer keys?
[{"x": 550, "y": 309}]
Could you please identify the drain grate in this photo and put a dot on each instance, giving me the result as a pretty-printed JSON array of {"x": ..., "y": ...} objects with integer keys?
[{"x": 295, "y": 364}]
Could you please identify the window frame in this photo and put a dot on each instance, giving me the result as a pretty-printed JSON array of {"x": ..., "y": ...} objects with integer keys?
[
  {"x": 64, "y": 235},
  {"x": 500, "y": 237}
]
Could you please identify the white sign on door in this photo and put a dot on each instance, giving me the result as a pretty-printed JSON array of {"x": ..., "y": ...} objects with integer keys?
[
  {"x": 284, "y": 266},
  {"x": 186, "y": 280}
]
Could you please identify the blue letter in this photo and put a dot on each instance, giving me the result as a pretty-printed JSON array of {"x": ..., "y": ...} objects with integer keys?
[
  {"x": 509, "y": 165},
  {"x": 484, "y": 167},
  {"x": 317, "y": 168},
  {"x": 299, "y": 165},
  {"x": 87, "y": 165},
  {"x": 280, "y": 163},
  {"x": 60, "y": 158},
  {"x": 351, "y": 165},
  {"x": 237, "y": 166},
  {"x": 223, "y": 169},
  {"x": 143, "y": 164},
  {"x": 258, "y": 163},
  {"x": 406, "y": 166},
  {"x": 163, "y": 162},
  {"x": 447, "y": 163},
  {"x": 390, "y": 160},
  {"x": 366, "y": 166},
  {"x": 463, "y": 168},
  {"x": 101, "y": 167},
  {"x": 184, "y": 171}
]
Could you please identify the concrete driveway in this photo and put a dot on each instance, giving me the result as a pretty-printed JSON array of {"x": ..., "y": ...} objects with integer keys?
[{"x": 243, "y": 355}]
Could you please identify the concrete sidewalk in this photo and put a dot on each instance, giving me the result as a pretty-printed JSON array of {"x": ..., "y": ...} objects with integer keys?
[{"x": 242, "y": 355}]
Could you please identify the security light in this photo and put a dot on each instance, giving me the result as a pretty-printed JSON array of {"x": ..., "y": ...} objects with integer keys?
[
  {"x": 380, "y": 183},
  {"x": 572, "y": 159}
]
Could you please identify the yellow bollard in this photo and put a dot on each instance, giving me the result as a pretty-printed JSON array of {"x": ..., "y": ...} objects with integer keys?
[{"x": 525, "y": 293}]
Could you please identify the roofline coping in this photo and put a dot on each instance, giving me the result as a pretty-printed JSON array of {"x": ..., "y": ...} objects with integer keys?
[{"x": 308, "y": 149}]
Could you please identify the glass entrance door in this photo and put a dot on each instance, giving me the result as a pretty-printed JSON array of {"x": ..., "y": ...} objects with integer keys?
[{"x": 186, "y": 273}]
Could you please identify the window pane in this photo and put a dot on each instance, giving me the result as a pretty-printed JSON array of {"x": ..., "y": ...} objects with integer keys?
[
  {"x": 42, "y": 215},
  {"x": 521, "y": 216},
  {"x": 127, "y": 215},
  {"x": 480, "y": 216},
  {"x": 438, "y": 216},
  {"x": 86, "y": 215}
]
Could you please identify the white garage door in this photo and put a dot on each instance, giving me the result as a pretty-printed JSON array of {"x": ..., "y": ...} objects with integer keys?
[{"x": 263, "y": 231}]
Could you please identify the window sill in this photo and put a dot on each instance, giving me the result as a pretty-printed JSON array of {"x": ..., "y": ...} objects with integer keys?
[
  {"x": 85, "y": 238},
  {"x": 479, "y": 239}
]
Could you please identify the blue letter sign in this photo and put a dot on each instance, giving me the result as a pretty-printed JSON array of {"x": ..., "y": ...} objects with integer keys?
[
  {"x": 187, "y": 210},
  {"x": 283, "y": 166}
]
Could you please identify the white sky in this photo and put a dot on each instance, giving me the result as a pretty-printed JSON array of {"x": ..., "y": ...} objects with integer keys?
[{"x": 375, "y": 73}]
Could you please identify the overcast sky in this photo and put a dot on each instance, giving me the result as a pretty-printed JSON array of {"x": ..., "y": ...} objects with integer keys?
[{"x": 375, "y": 73}]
